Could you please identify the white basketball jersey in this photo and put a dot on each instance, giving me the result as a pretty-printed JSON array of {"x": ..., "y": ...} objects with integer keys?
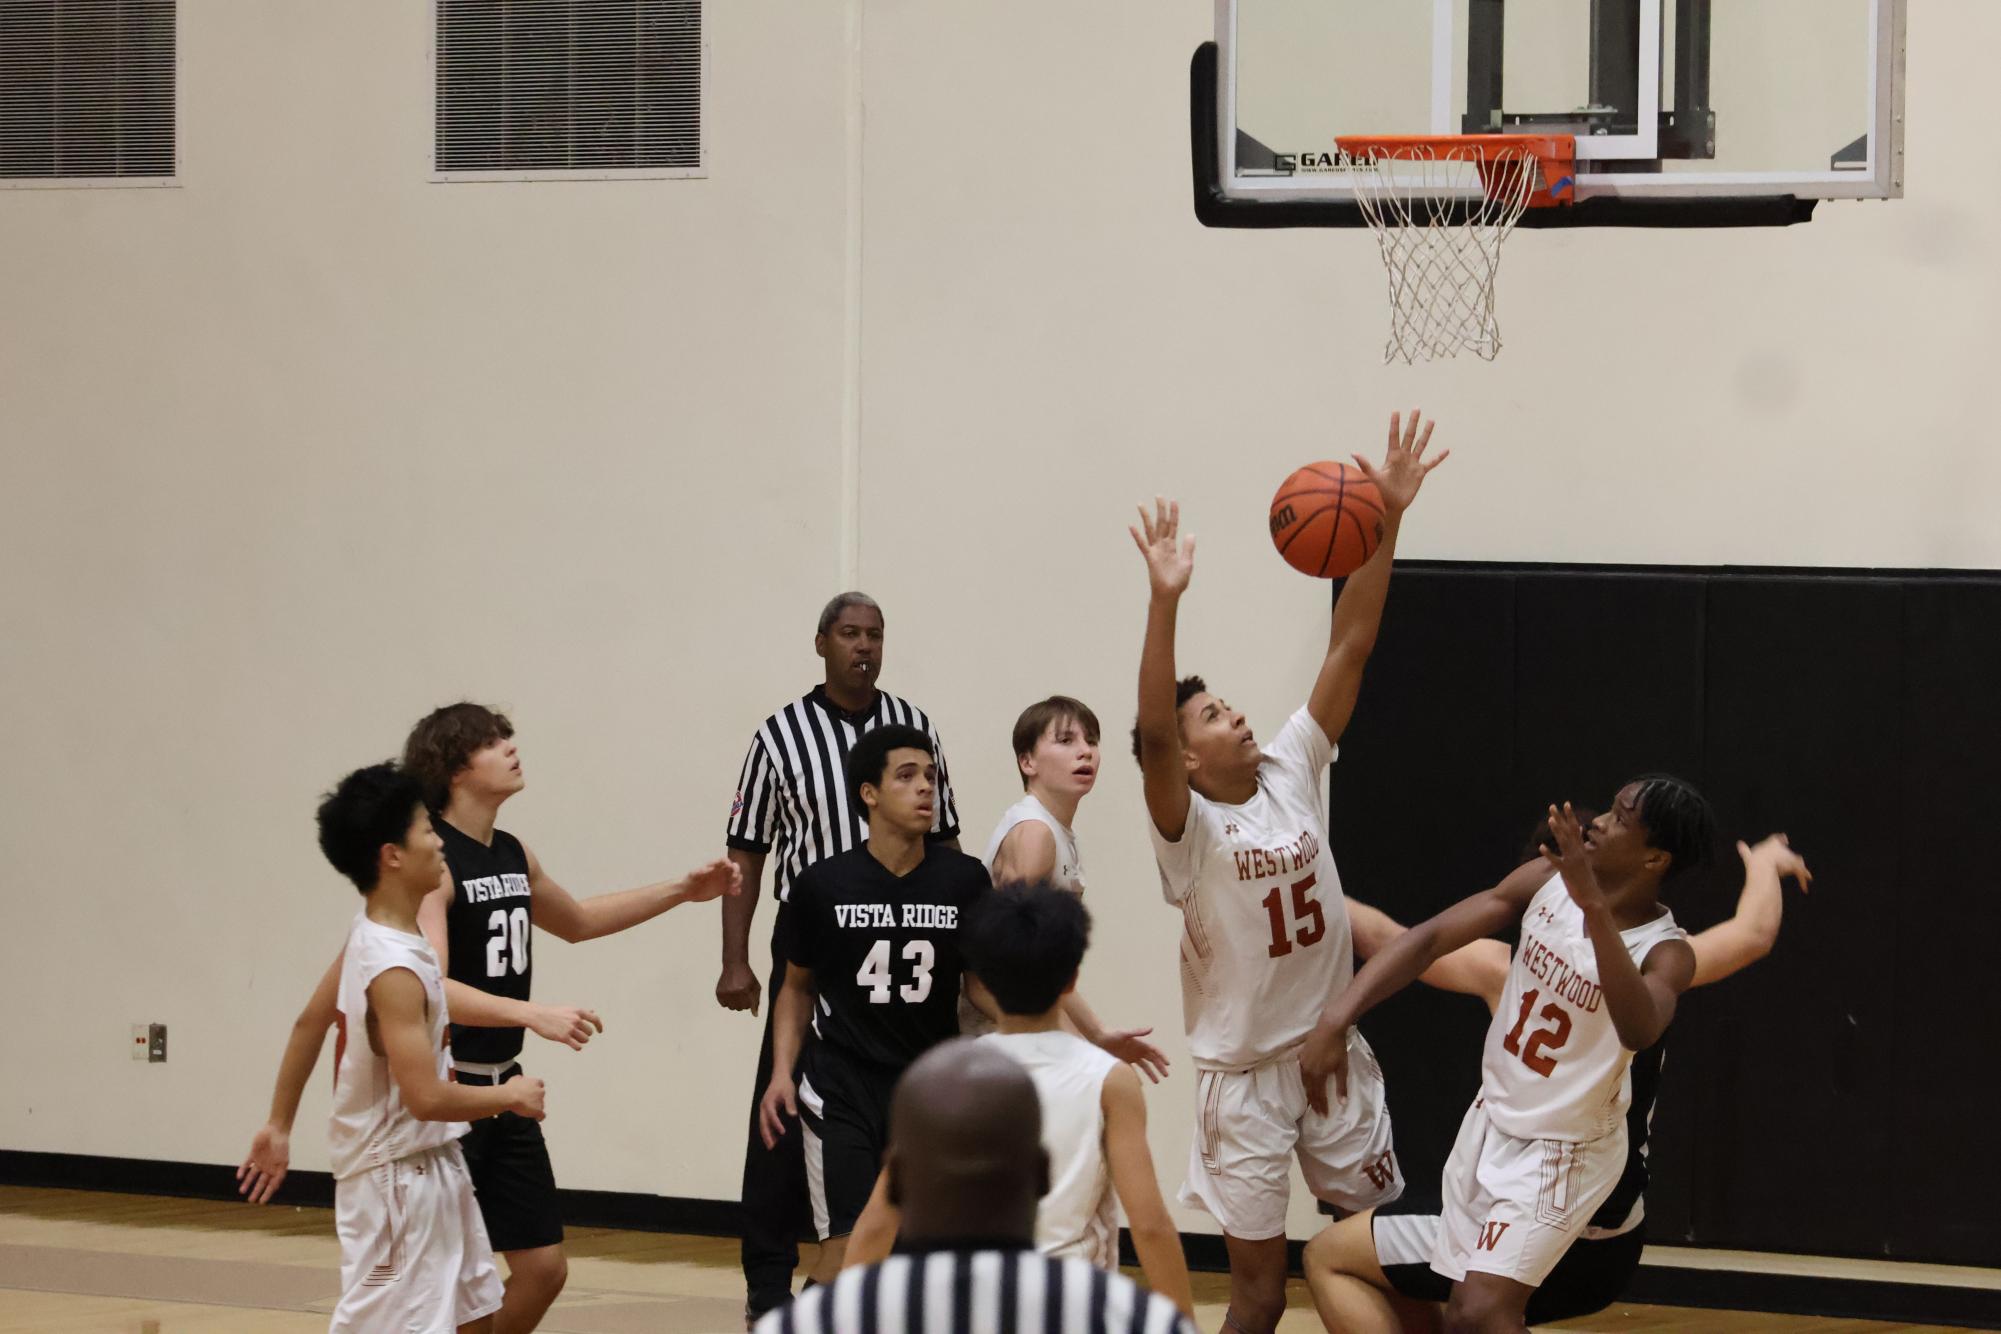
[
  {"x": 1069, "y": 872},
  {"x": 1553, "y": 1067},
  {"x": 1079, "y": 1216},
  {"x": 1265, "y": 944},
  {"x": 370, "y": 1125}
]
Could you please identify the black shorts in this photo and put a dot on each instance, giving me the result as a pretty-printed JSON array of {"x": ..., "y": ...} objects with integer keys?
[
  {"x": 844, "y": 1121},
  {"x": 508, "y": 1161},
  {"x": 1590, "y": 1276}
]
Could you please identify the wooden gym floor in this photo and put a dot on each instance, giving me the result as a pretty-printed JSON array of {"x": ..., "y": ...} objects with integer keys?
[{"x": 79, "y": 1262}]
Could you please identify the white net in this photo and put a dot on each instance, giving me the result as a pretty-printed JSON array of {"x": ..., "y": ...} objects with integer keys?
[{"x": 1439, "y": 218}]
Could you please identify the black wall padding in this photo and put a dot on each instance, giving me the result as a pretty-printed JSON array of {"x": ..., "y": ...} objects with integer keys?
[{"x": 1832, "y": 1099}]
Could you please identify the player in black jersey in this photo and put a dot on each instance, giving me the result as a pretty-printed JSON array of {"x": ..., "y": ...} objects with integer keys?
[
  {"x": 874, "y": 970},
  {"x": 480, "y": 925},
  {"x": 1371, "y": 1273}
]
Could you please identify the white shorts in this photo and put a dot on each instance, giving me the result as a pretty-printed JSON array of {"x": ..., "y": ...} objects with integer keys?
[
  {"x": 1514, "y": 1206},
  {"x": 1249, "y": 1122},
  {"x": 413, "y": 1251}
]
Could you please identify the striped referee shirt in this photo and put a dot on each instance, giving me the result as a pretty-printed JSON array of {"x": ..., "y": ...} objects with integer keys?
[
  {"x": 793, "y": 792},
  {"x": 978, "y": 1292}
]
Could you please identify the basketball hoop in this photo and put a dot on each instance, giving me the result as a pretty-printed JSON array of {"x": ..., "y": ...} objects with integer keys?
[{"x": 1440, "y": 206}]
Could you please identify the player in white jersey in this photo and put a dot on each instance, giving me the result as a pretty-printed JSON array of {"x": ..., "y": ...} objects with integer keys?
[
  {"x": 1371, "y": 1273},
  {"x": 1027, "y": 945},
  {"x": 1596, "y": 977},
  {"x": 414, "y": 1252},
  {"x": 1240, "y": 835},
  {"x": 1056, "y": 753}
]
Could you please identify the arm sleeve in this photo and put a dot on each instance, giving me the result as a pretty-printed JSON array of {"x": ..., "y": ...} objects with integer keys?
[
  {"x": 1181, "y": 860},
  {"x": 802, "y": 936},
  {"x": 754, "y": 812},
  {"x": 1303, "y": 751}
]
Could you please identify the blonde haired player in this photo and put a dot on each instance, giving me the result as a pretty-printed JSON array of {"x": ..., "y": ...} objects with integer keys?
[
  {"x": 1240, "y": 836},
  {"x": 1056, "y": 754},
  {"x": 1596, "y": 977}
]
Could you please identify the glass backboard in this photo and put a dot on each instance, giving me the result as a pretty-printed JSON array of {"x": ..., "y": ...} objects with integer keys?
[{"x": 1696, "y": 101}]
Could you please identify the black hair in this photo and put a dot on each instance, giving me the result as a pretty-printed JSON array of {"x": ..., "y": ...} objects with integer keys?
[
  {"x": 367, "y": 809},
  {"x": 870, "y": 756},
  {"x": 1679, "y": 822},
  {"x": 1187, "y": 688},
  {"x": 1026, "y": 942}
]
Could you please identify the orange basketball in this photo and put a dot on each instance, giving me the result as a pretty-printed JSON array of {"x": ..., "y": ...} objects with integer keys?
[{"x": 1327, "y": 520}]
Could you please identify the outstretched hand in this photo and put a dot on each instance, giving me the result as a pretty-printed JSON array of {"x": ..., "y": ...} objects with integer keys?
[
  {"x": 1170, "y": 558},
  {"x": 1572, "y": 860},
  {"x": 712, "y": 881},
  {"x": 1404, "y": 466},
  {"x": 1776, "y": 851},
  {"x": 1131, "y": 1046}
]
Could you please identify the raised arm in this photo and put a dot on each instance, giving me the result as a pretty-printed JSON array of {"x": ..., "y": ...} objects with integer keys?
[
  {"x": 1358, "y": 612},
  {"x": 1477, "y": 968},
  {"x": 1170, "y": 560},
  {"x": 566, "y": 917},
  {"x": 1155, "y": 1238},
  {"x": 396, "y": 1005},
  {"x": 270, "y": 1157},
  {"x": 1749, "y": 935},
  {"x": 1639, "y": 998},
  {"x": 1325, "y": 1054}
]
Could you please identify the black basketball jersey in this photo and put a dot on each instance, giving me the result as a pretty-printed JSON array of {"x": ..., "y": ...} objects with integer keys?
[
  {"x": 487, "y": 930},
  {"x": 884, "y": 951},
  {"x": 1645, "y": 1073}
]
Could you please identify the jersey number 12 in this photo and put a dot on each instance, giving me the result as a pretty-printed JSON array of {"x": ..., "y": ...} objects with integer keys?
[{"x": 876, "y": 979}]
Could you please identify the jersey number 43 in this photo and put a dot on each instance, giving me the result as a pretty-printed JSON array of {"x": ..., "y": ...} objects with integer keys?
[{"x": 876, "y": 979}]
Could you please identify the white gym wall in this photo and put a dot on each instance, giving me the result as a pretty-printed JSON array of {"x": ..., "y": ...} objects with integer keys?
[{"x": 309, "y": 444}]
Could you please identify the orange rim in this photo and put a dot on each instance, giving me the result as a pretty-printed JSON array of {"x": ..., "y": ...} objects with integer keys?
[{"x": 1555, "y": 155}]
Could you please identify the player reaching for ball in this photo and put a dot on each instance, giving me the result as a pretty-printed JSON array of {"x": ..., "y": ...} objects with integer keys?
[{"x": 1240, "y": 835}]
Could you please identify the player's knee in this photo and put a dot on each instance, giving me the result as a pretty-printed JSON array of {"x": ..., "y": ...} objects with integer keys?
[
  {"x": 1346, "y": 1247},
  {"x": 1255, "y": 1308},
  {"x": 1475, "y": 1312},
  {"x": 546, "y": 1269}
]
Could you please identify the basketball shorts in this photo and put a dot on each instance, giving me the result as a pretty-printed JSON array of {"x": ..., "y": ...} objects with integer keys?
[
  {"x": 1249, "y": 1123},
  {"x": 1511, "y": 1206},
  {"x": 844, "y": 1122},
  {"x": 413, "y": 1251},
  {"x": 509, "y": 1162},
  {"x": 1592, "y": 1274}
]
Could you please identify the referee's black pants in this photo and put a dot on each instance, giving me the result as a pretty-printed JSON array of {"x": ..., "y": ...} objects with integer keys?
[{"x": 776, "y": 1211}]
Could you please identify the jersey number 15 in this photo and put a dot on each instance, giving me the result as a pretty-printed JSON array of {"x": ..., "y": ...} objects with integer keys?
[{"x": 1305, "y": 910}]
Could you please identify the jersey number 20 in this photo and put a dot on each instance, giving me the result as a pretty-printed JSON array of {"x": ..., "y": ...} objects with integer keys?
[
  {"x": 875, "y": 974},
  {"x": 508, "y": 929}
]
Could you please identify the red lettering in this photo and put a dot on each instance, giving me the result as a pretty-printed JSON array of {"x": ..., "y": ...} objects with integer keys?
[{"x": 1490, "y": 1236}]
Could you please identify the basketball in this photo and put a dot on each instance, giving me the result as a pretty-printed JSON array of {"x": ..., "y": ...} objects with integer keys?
[{"x": 1327, "y": 520}]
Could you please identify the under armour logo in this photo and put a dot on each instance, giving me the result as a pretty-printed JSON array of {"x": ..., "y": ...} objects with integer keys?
[{"x": 1230, "y": 829}]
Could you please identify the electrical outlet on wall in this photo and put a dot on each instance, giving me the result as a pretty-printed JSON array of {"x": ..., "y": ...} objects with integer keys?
[
  {"x": 156, "y": 1042},
  {"x": 142, "y": 1041}
]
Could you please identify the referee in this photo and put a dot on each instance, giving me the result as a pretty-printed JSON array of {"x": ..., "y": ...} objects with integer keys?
[
  {"x": 966, "y": 1165},
  {"x": 792, "y": 800}
]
